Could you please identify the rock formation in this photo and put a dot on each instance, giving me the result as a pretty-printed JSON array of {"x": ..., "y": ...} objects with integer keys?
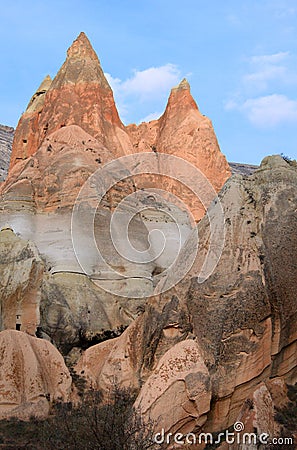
[
  {"x": 70, "y": 129},
  {"x": 6, "y": 138},
  {"x": 201, "y": 353},
  {"x": 26, "y": 134},
  {"x": 78, "y": 95},
  {"x": 242, "y": 169},
  {"x": 184, "y": 132},
  {"x": 33, "y": 375},
  {"x": 242, "y": 318},
  {"x": 21, "y": 271}
]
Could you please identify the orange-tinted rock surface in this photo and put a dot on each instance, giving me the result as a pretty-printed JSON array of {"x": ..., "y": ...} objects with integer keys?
[
  {"x": 78, "y": 95},
  {"x": 70, "y": 129},
  {"x": 32, "y": 376},
  {"x": 52, "y": 176},
  {"x": 196, "y": 354},
  {"x": 26, "y": 140},
  {"x": 184, "y": 132},
  {"x": 243, "y": 317}
]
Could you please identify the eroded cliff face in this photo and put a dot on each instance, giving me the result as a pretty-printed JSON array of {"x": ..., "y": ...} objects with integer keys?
[
  {"x": 6, "y": 138},
  {"x": 70, "y": 130},
  {"x": 33, "y": 376},
  {"x": 21, "y": 272},
  {"x": 184, "y": 132},
  {"x": 78, "y": 95},
  {"x": 218, "y": 345},
  {"x": 25, "y": 139},
  {"x": 201, "y": 354}
]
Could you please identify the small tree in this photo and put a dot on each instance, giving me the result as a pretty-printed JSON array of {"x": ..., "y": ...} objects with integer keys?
[{"x": 97, "y": 423}]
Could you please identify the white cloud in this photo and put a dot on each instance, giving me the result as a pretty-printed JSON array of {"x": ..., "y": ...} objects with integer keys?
[
  {"x": 268, "y": 73},
  {"x": 144, "y": 87},
  {"x": 265, "y": 69},
  {"x": 269, "y": 59},
  {"x": 146, "y": 83},
  {"x": 268, "y": 111}
]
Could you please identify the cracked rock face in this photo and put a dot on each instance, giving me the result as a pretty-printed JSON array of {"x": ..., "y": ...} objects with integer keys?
[
  {"x": 6, "y": 138},
  {"x": 21, "y": 271},
  {"x": 200, "y": 355},
  {"x": 70, "y": 129},
  {"x": 242, "y": 318}
]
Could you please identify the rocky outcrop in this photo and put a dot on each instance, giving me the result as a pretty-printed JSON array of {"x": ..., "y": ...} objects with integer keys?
[
  {"x": 6, "y": 138},
  {"x": 79, "y": 95},
  {"x": 50, "y": 179},
  {"x": 242, "y": 169},
  {"x": 34, "y": 300},
  {"x": 243, "y": 317},
  {"x": 70, "y": 130},
  {"x": 182, "y": 382},
  {"x": 21, "y": 271},
  {"x": 33, "y": 375},
  {"x": 26, "y": 134},
  {"x": 184, "y": 132}
]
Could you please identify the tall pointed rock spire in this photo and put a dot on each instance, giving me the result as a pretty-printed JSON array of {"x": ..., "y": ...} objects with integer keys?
[
  {"x": 78, "y": 95},
  {"x": 180, "y": 101},
  {"x": 185, "y": 132},
  {"x": 81, "y": 66},
  {"x": 183, "y": 122}
]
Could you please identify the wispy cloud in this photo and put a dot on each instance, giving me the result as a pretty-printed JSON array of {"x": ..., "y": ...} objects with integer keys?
[
  {"x": 273, "y": 58},
  {"x": 266, "y": 68},
  {"x": 144, "y": 86},
  {"x": 151, "y": 116},
  {"x": 268, "y": 111},
  {"x": 260, "y": 95}
]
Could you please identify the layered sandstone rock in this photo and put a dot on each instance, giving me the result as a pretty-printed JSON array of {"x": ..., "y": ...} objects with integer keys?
[
  {"x": 79, "y": 95},
  {"x": 180, "y": 381},
  {"x": 21, "y": 271},
  {"x": 243, "y": 316},
  {"x": 52, "y": 177},
  {"x": 6, "y": 138},
  {"x": 70, "y": 130},
  {"x": 32, "y": 376},
  {"x": 25, "y": 140},
  {"x": 184, "y": 132}
]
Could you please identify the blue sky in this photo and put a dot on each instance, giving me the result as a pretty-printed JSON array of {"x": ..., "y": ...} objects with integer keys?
[{"x": 240, "y": 57}]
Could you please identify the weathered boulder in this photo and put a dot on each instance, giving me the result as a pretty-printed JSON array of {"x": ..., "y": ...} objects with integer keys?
[
  {"x": 32, "y": 376},
  {"x": 180, "y": 381}
]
